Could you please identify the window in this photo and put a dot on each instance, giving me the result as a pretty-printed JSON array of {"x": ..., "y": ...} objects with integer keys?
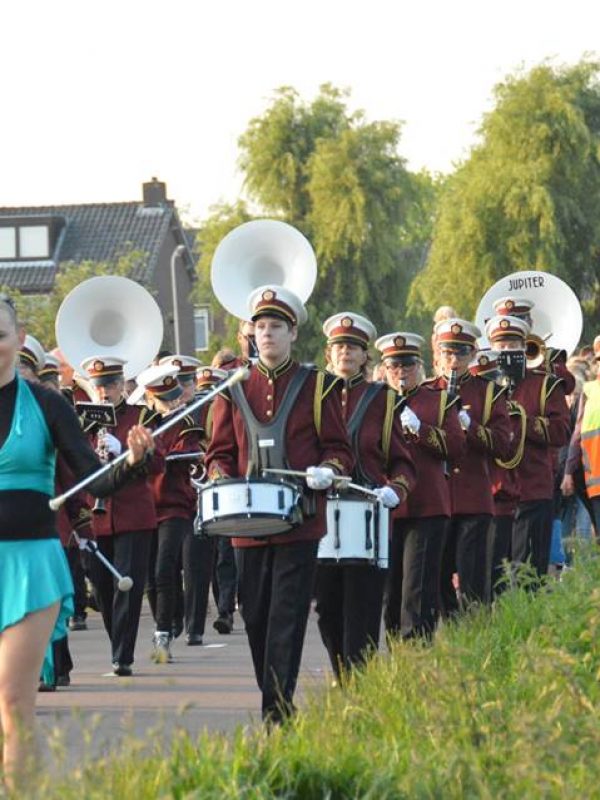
[
  {"x": 33, "y": 241},
  {"x": 8, "y": 243},
  {"x": 201, "y": 328}
]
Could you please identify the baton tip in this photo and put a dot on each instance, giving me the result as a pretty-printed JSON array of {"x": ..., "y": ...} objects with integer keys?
[{"x": 125, "y": 584}]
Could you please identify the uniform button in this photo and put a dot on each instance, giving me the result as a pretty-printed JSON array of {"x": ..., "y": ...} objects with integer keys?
[
  {"x": 270, "y": 381},
  {"x": 456, "y": 470},
  {"x": 343, "y": 402},
  {"x": 344, "y": 390},
  {"x": 269, "y": 412},
  {"x": 269, "y": 397}
]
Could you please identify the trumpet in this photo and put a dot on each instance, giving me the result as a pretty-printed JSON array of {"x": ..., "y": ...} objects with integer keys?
[{"x": 535, "y": 351}]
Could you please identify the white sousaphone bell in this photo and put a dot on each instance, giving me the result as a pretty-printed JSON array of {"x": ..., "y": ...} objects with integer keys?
[
  {"x": 556, "y": 313},
  {"x": 258, "y": 253},
  {"x": 110, "y": 316}
]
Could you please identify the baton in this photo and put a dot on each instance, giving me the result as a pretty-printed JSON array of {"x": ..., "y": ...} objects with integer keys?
[
  {"x": 124, "y": 582},
  {"x": 239, "y": 375}
]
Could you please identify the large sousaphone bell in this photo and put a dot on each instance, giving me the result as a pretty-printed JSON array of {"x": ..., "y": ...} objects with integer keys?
[
  {"x": 257, "y": 253},
  {"x": 110, "y": 316},
  {"x": 556, "y": 314}
]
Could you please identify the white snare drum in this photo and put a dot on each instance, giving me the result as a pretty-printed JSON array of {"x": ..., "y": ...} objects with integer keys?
[
  {"x": 357, "y": 531},
  {"x": 252, "y": 507}
]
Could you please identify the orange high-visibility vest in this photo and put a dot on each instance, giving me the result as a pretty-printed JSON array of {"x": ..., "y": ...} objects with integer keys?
[{"x": 590, "y": 437}]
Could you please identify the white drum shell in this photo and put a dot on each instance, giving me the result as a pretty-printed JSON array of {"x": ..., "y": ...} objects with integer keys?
[
  {"x": 353, "y": 539},
  {"x": 248, "y": 507}
]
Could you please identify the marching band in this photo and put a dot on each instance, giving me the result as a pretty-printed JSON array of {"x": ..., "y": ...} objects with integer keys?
[{"x": 404, "y": 499}]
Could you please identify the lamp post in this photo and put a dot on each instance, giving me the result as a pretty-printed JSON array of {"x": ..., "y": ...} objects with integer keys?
[{"x": 177, "y": 253}]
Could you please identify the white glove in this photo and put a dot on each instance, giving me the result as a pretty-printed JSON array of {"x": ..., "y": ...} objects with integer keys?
[
  {"x": 112, "y": 445},
  {"x": 319, "y": 477},
  {"x": 82, "y": 544},
  {"x": 464, "y": 419},
  {"x": 387, "y": 496},
  {"x": 410, "y": 421}
]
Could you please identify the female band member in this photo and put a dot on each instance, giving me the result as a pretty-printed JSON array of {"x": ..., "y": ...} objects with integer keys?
[{"x": 35, "y": 584}]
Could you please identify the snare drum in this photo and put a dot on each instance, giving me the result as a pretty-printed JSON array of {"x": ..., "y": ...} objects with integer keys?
[
  {"x": 357, "y": 531},
  {"x": 251, "y": 507}
]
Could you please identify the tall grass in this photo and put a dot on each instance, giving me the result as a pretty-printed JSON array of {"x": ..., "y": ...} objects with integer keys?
[{"x": 505, "y": 704}]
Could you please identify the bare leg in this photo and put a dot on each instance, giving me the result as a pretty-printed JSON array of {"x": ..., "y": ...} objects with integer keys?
[{"x": 22, "y": 648}]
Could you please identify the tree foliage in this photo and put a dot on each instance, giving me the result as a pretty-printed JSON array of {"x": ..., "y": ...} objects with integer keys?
[
  {"x": 340, "y": 180},
  {"x": 527, "y": 198},
  {"x": 38, "y": 312}
]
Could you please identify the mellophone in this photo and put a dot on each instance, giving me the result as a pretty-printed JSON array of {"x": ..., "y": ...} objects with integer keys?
[{"x": 357, "y": 522}]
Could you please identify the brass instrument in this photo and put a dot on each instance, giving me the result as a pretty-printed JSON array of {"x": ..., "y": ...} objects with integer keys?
[{"x": 535, "y": 351}]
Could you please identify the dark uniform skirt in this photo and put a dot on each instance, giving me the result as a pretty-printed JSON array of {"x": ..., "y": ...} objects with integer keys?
[{"x": 34, "y": 574}]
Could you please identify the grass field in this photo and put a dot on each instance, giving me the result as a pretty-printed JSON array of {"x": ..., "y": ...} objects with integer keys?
[{"x": 505, "y": 704}]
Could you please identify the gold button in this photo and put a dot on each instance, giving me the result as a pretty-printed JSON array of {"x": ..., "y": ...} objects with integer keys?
[
  {"x": 456, "y": 470},
  {"x": 270, "y": 381},
  {"x": 269, "y": 412},
  {"x": 344, "y": 390},
  {"x": 343, "y": 402},
  {"x": 269, "y": 397}
]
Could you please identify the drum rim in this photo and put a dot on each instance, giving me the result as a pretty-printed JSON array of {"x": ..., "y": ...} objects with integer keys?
[{"x": 249, "y": 481}]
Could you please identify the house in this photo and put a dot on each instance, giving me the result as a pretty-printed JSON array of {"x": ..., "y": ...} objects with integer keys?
[{"x": 35, "y": 241}]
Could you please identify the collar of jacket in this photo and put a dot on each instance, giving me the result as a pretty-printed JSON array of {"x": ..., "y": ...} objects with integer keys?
[{"x": 274, "y": 373}]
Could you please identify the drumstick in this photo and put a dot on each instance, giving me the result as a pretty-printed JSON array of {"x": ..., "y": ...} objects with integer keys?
[{"x": 345, "y": 479}]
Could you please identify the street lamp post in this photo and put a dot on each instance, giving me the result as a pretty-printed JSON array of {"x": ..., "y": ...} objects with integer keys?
[{"x": 177, "y": 253}]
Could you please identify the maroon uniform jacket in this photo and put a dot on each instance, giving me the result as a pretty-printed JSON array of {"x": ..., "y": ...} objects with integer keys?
[
  {"x": 385, "y": 463},
  {"x": 440, "y": 441},
  {"x": 506, "y": 486},
  {"x": 174, "y": 495},
  {"x": 227, "y": 454},
  {"x": 543, "y": 398},
  {"x": 74, "y": 514},
  {"x": 132, "y": 507},
  {"x": 489, "y": 434}
]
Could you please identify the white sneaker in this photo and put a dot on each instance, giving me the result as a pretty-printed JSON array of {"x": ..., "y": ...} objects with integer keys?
[{"x": 161, "y": 652}]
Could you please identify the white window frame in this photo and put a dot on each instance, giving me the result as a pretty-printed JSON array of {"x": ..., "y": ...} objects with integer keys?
[{"x": 202, "y": 314}]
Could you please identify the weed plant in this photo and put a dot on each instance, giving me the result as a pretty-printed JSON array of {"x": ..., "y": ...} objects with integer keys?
[{"x": 504, "y": 704}]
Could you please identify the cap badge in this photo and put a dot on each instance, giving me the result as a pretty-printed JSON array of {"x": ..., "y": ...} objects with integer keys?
[
  {"x": 456, "y": 329},
  {"x": 400, "y": 341},
  {"x": 484, "y": 361},
  {"x": 504, "y": 323},
  {"x": 207, "y": 373},
  {"x": 169, "y": 380},
  {"x": 347, "y": 322},
  {"x": 177, "y": 362},
  {"x": 268, "y": 295},
  {"x": 510, "y": 304},
  {"x": 98, "y": 366}
]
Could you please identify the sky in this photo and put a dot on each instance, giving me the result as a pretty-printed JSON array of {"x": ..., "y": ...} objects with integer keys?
[{"x": 98, "y": 97}]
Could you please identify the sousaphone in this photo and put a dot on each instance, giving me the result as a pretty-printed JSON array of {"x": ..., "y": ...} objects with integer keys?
[
  {"x": 258, "y": 253},
  {"x": 556, "y": 314},
  {"x": 110, "y": 316}
]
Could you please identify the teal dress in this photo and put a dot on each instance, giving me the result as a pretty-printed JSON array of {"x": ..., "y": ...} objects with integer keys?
[{"x": 34, "y": 573}]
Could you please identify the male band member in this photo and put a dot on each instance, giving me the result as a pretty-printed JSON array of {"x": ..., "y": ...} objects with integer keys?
[
  {"x": 435, "y": 438},
  {"x": 484, "y": 418},
  {"x": 124, "y": 531},
  {"x": 350, "y": 596},
  {"x": 284, "y": 416},
  {"x": 543, "y": 399},
  {"x": 504, "y": 474},
  {"x": 174, "y": 497}
]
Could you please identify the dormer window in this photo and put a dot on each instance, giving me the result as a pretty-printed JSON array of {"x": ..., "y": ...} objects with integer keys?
[
  {"x": 28, "y": 239},
  {"x": 33, "y": 241}
]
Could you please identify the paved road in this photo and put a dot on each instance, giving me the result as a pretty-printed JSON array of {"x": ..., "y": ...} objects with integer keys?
[{"x": 210, "y": 687}]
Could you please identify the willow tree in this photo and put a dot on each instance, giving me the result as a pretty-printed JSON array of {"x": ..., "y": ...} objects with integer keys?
[
  {"x": 527, "y": 198},
  {"x": 340, "y": 180}
]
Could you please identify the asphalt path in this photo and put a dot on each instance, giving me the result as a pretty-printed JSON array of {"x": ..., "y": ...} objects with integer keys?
[{"x": 209, "y": 687}]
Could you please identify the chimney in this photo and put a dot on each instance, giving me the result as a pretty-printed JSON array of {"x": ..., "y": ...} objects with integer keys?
[{"x": 155, "y": 193}]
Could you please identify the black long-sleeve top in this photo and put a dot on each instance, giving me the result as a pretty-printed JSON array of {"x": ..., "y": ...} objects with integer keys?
[{"x": 24, "y": 513}]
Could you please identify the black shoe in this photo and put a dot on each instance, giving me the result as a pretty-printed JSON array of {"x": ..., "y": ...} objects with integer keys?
[
  {"x": 63, "y": 680},
  {"x": 77, "y": 624},
  {"x": 46, "y": 687},
  {"x": 176, "y": 629},
  {"x": 193, "y": 639},
  {"x": 223, "y": 623},
  {"x": 122, "y": 670}
]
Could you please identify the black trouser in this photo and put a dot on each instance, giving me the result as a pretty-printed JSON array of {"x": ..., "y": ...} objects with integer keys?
[
  {"x": 197, "y": 557},
  {"x": 169, "y": 540},
  {"x": 532, "y": 534},
  {"x": 275, "y": 588},
  {"x": 412, "y": 605},
  {"x": 499, "y": 552},
  {"x": 349, "y": 602},
  {"x": 595, "y": 515},
  {"x": 465, "y": 552},
  {"x": 73, "y": 555},
  {"x": 121, "y": 610},
  {"x": 225, "y": 577},
  {"x": 63, "y": 663}
]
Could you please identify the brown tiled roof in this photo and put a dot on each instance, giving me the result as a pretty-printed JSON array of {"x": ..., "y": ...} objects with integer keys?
[{"x": 94, "y": 232}]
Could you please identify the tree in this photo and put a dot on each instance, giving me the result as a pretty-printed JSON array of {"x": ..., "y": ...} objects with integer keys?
[
  {"x": 340, "y": 180},
  {"x": 527, "y": 198},
  {"x": 38, "y": 312}
]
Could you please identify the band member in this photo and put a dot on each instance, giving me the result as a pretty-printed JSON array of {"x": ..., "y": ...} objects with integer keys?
[
  {"x": 174, "y": 497},
  {"x": 543, "y": 398},
  {"x": 299, "y": 422},
  {"x": 186, "y": 376},
  {"x": 484, "y": 418},
  {"x": 435, "y": 438},
  {"x": 350, "y": 596},
  {"x": 504, "y": 475},
  {"x": 124, "y": 530},
  {"x": 31, "y": 358}
]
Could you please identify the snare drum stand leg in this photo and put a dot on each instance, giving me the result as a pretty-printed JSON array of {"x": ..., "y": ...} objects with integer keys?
[
  {"x": 368, "y": 541},
  {"x": 336, "y": 535}
]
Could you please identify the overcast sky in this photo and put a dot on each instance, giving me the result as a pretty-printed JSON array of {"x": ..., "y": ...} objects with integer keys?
[{"x": 98, "y": 97}]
